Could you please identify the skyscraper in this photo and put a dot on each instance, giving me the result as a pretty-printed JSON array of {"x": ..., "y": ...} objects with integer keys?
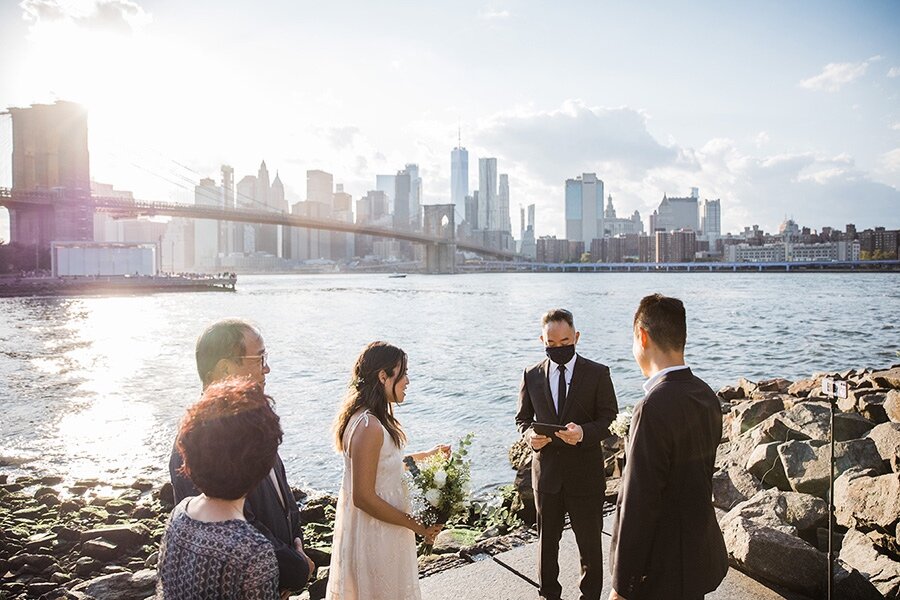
[
  {"x": 206, "y": 231},
  {"x": 676, "y": 213},
  {"x": 230, "y": 234},
  {"x": 415, "y": 196},
  {"x": 278, "y": 203},
  {"x": 503, "y": 218},
  {"x": 266, "y": 235},
  {"x": 584, "y": 208},
  {"x": 487, "y": 193},
  {"x": 711, "y": 221},
  {"x": 402, "y": 183},
  {"x": 459, "y": 178}
]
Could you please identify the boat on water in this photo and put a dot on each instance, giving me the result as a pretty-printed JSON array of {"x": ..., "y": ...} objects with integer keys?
[{"x": 397, "y": 275}]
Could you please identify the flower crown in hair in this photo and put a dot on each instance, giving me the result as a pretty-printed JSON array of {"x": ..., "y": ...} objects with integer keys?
[{"x": 358, "y": 383}]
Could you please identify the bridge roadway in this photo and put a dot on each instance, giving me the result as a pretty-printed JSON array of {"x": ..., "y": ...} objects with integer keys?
[{"x": 123, "y": 207}]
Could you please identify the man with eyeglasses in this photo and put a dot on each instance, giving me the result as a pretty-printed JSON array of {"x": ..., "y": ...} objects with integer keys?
[{"x": 234, "y": 348}]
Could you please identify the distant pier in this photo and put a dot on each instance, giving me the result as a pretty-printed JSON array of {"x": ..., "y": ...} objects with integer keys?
[
  {"x": 867, "y": 266},
  {"x": 118, "y": 285}
]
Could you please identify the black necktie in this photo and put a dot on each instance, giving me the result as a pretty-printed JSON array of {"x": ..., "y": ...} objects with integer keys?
[{"x": 561, "y": 393}]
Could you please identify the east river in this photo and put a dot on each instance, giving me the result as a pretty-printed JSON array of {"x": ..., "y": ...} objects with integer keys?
[{"x": 94, "y": 387}]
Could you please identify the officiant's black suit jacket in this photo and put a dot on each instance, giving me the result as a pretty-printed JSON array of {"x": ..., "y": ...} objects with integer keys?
[
  {"x": 666, "y": 542},
  {"x": 591, "y": 403}
]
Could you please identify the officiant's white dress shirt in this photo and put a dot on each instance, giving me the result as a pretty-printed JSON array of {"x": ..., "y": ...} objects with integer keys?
[{"x": 554, "y": 380}]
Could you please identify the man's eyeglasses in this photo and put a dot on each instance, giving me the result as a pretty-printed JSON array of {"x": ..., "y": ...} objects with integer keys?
[{"x": 262, "y": 357}]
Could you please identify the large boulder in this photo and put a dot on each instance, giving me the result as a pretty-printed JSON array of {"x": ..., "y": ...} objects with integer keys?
[
  {"x": 808, "y": 468},
  {"x": 118, "y": 586},
  {"x": 790, "y": 512},
  {"x": 892, "y": 406},
  {"x": 850, "y": 584},
  {"x": 870, "y": 404},
  {"x": 803, "y": 387},
  {"x": 851, "y": 426},
  {"x": 775, "y": 555},
  {"x": 864, "y": 501},
  {"x": 803, "y": 421},
  {"x": 887, "y": 439},
  {"x": 729, "y": 393},
  {"x": 765, "y": 464},
  {"x": 122, "y": 535},
  {"x": 779, "y": 384},
  {"x": 861, "y": 551},
  {"x": 747, "y": 415},
  {"x": 732, "y": 486},
  {"x": 887, "y": 379}
]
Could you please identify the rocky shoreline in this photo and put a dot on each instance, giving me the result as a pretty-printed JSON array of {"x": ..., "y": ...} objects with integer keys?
[{"x": 91, "y": 540}]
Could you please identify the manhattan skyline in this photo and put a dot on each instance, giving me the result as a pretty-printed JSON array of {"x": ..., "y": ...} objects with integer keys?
[{"x": 779, "y": 111}]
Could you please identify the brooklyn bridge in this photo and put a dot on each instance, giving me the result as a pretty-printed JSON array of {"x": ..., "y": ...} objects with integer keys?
[{"x": 51, "y": 200}]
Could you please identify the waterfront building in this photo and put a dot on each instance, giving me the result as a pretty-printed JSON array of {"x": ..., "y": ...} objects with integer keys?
[
  {"x": 553, "y": 250},
  {"x": 246, "y": 199},
  {"x": 487, "y": 194},
  {"x": 676, "y": 246},
  {"x": 503, "y": 217},
  {"x": 584, "y": 208},
  {"x": 472, "y": 210},
  {"x": 402, "y": 183},
  {"x": 206, "y": 231},
  {"x": 310, "y": 244},
  {"x": 676, "y": 213},
  {"x": 614, "y": 226},
  {"x": 266, "y": 235},
  {"x": 528, "y": 245},
  {"x": 711, "y": 221},
  {"x": 415, "y": 196},
  {"x": 342, "y": 244},
  {"x": 459, "y": 178},
  {"x": 884, "y": 242}
]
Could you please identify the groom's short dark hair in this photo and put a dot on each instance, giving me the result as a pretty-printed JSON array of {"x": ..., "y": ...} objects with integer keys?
[
  {"x": 558, "y": 315},
  {"x": 664, "y": 319}
]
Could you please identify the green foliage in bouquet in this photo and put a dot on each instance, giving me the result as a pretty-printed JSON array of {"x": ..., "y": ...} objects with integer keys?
[
  {"x": 498, "y": 515},
  {"x": 441, "y": 486}
]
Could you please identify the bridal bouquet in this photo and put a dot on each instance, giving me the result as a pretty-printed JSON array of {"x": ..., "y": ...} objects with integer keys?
[
  {"x": 441, "y": 486},
  {"x": 622, "y": 424}
]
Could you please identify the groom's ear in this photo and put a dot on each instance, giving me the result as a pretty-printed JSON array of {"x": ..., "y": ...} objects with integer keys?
[
  {"x": 645, "y": 337},
  {"x": 542, "y": 340}
]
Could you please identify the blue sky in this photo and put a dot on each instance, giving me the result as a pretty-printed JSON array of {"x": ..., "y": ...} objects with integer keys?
[{"x": 779, "y": 109}]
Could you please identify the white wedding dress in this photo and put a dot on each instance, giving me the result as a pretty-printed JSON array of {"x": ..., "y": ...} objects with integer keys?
[{"x": 371, "y": 559}]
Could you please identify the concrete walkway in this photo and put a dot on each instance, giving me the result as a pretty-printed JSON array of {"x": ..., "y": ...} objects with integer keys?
[{"x": 489, "y": 580}]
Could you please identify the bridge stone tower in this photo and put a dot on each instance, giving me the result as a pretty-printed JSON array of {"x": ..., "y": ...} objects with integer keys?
[
  {"x": 440, "y": 258},
  {"x": 50, "y": 154}
]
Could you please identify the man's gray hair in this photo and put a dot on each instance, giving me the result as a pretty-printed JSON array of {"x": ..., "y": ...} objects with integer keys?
[{"x": 222, "y": 339}]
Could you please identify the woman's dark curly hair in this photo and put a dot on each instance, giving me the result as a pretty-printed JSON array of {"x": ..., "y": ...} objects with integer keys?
[{"x": 229, "y": 439}]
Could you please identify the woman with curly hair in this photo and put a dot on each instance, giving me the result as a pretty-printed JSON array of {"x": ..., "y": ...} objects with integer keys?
[{"x": 228, "y": 440}]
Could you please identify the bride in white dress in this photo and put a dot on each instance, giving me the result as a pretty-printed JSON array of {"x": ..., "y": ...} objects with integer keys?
[{"x": 374, "y": 551}]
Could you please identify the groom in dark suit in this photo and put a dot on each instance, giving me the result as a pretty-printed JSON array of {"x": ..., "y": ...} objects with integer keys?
[
  {"x": 567, "y": 470},
  {"x": 666, "y": 541}
]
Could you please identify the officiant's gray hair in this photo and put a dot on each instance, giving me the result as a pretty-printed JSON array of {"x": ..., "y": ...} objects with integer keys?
[{"x": 558, "y": 315}]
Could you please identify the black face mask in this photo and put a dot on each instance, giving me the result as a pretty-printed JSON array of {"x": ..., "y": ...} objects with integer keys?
[{"x": 560, "y": 354}]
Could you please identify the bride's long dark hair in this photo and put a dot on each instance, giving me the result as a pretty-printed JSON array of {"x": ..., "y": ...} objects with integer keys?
[{"x": 367, "y": 393}]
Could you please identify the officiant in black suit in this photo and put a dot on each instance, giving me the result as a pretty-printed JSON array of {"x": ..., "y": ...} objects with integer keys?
[
  {"x": 567, "y": 468},
  {"x": 666, "y": 542}
]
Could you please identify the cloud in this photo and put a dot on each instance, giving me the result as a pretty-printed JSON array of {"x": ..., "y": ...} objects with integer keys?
[
  {"x": 493, "y": 15},
  {"x": 541, "y": 149},
  {"x": 835, "y": 75},
  {"x": 761, "y": 139},
  {"x": 341, "y": 137},
  {"x": 895, "y": 126},
  {"x": 117, "y": 16},
  {"x": 575, "y": 138},
  {"x": 894, "y": 72},
  {"x": 890, "y": 161}
]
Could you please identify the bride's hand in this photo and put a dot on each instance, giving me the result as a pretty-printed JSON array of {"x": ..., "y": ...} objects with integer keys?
[
  {"x": 431, "y": 533},
  {"x": 440, "y": 448}
]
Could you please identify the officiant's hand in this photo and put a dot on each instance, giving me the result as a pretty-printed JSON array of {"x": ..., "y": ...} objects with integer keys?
[
  {"x": 572, "y": 434},
  {"x": 536, "y": 440}
]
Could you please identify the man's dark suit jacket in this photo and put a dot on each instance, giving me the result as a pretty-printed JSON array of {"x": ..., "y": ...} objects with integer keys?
[
  {"x": 666, "y": 542},
  {"x": 591, "y": 403},
  {"x": 263, "y": 510}
]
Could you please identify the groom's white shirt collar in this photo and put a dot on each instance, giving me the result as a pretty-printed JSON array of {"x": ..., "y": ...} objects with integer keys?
[{"x": 654, "y": 379}]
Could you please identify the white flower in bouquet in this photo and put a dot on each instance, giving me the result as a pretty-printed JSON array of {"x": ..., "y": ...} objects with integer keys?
[
  {"x": 440, "y": 478},
  {"x": 433, "y": 496},
  {"x": 621, "y": 426}
]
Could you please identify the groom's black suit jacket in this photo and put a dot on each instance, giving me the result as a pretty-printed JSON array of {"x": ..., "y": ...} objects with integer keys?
[
  {"x": 666, "y": 542},
  {"x": 591, "y": 403}
]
